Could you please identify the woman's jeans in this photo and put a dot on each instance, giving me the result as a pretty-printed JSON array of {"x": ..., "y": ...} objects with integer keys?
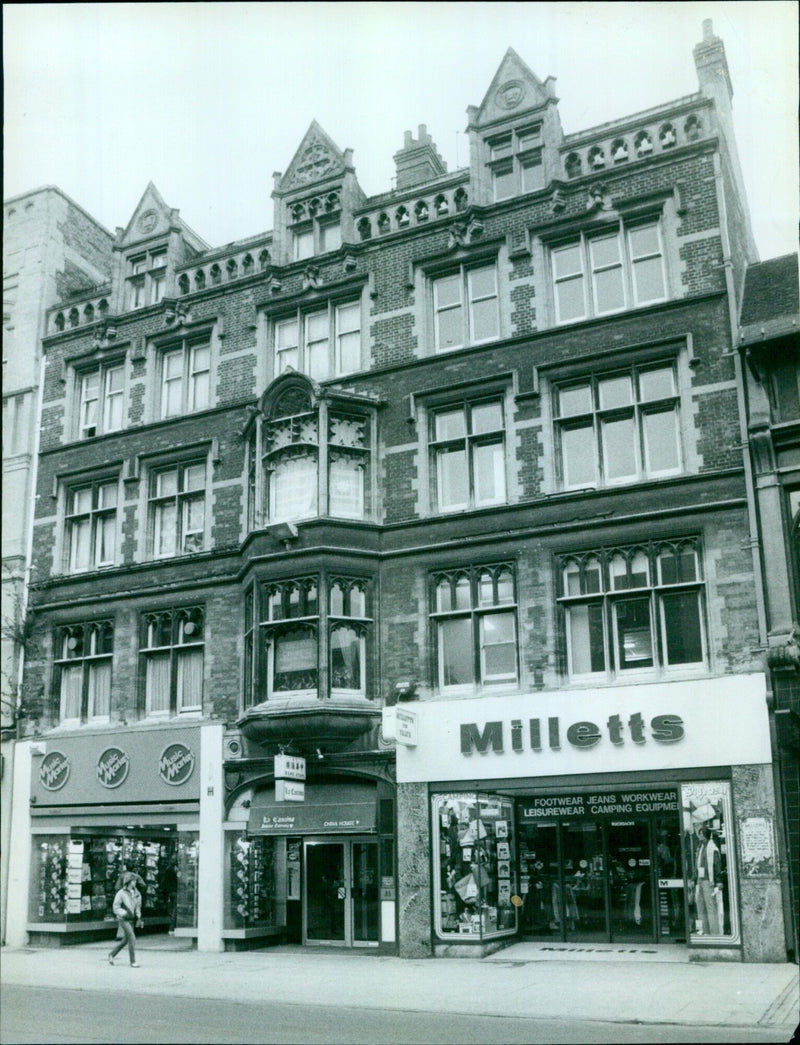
[{"x": 127, "y": 937}]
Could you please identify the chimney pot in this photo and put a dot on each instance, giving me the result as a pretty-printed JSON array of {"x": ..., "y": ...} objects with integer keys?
[{"x": 708, "y": 29}]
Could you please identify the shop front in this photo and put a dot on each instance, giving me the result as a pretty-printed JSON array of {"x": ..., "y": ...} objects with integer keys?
[
  {"x": 319, "y": 870},
  {"x": 104, "y": 803},
  {"x": 643, "y": 815}
]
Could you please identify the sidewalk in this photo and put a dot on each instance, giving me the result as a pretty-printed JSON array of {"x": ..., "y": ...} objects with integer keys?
[{"x": 520, "y": 981}]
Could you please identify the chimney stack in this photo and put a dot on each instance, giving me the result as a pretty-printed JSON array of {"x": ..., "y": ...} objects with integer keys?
[{"x": 418, "y": 161}]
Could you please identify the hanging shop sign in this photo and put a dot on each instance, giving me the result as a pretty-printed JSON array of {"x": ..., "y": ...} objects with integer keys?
[
  {"x": 400, "y": 724},
  {"x": 176, "y": 764},
  {"x": 290, "y": 791},
  {"x": 54, "y": 771},
  {"x": 290, "y": 767},
  {"x": 112, "y": 767},
  {"x": 652, "y": 726}
]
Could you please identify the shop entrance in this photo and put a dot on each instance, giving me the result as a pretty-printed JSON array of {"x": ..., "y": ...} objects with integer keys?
[
  {"x": 341, "y": 892},
  {"x": 602, "y": 878}
]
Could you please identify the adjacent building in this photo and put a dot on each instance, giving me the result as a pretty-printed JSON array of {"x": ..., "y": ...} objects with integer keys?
[{"x": 398, "y": 582}]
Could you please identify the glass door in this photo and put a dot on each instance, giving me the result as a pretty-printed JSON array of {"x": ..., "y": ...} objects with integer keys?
[
  {"x": 630, "y": 880},
  {"x": 326, "y": 893},
  {"x": 582, "y": 913},
  {"x": 364, "y": 893}
]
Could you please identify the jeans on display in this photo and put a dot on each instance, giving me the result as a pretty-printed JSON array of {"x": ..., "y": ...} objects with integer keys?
[
  {"x": 707, "y": 908},
  {"x": 128, "y": 937}
]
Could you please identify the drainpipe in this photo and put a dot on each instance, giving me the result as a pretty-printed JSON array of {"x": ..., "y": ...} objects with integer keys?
[{"x": 752, "y": 515}]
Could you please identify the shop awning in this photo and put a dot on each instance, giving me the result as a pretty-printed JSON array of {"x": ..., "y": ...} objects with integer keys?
[{"x": 327, "y": 809}]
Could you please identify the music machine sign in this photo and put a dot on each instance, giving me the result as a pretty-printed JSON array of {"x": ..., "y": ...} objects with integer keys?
[
  {"x": 290, "y": 775},
  {"x": 176, "y": 764}
]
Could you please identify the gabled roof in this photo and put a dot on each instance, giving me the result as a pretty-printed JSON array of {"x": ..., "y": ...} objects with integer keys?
[
  {"x": 318, "y": 158},
  {"x": 152, "y": 217},
  {"x": 514, "y": 87}
]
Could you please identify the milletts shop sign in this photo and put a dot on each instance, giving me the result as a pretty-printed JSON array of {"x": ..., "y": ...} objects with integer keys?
[{"x": 658, "y": 726}]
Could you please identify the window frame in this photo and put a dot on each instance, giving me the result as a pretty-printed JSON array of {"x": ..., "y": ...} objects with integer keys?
[
  {"x": 94, "y": 517},
  {"x": 178, "y": 620},
  {"x": 88, "y": 659},
  {"x": 182, "y": 498},
  {"x": 301, "y": 318},
  {"x": 597, "y": 419},
  {"x": 466, "y": 303},
  {"x": 185, "y": 377},
  {"x": 103, "y": 398},
  {"x": 147, "y": 277},
  {"x": 524, "y": 152},
  {"x": 591, "y": 272},
  {"x": 609, "y": 597},
  {"x": 440, "y": 447},
  {"x": 475, "y": 614}
]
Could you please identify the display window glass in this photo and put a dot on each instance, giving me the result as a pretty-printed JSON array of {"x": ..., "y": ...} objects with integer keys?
[
  {"x": 474, "y": 866},
  {"x": 255, "y": 881},
  {"x": 187, "y": 864},
  {"x": 74, "y": 878},
  {"x": 708, "y": 848}
]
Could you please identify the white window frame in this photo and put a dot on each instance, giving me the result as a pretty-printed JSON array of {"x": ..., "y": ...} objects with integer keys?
[
  {"x": 175, "y": 655},
  {"x": 88, "y": 663},
  {"x": 186, "y": 377},
  {"x": 513, "y": 153},
  {"x": 103, "y": 397},
  {"x": 182, "y": 502},
  {"x": 294, "y": 340},
  {"x": 609, "y": 597},
  {"x": 438, "y": 449},
  {"x": 588, "y": 271},
  {"x": 596, "y": 418},
  {"x": 94, "y": 517},
  {"x": 147, "y": 277},
  {"x": 466, "y": 304}
]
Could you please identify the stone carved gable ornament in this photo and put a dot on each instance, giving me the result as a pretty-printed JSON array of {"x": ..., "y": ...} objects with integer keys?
[
  {"x": 510, "y": 94},
  {"x": 316, "y": 161}
]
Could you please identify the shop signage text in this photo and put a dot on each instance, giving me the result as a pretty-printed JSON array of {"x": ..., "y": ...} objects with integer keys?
[
  {"x": 664, "y": 729},
  {"x": 618, "y": 803},
  {"x": 290, "y": 767},
  {"x": 290, "y": 791},
  {"x": 112, "y": 767},
  {"x": 54, "y": 771},
  {"x": 176, "y": 764}
]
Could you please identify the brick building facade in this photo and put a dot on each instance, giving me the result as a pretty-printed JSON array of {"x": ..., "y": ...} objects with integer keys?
[{"x": 443, "y": 494}]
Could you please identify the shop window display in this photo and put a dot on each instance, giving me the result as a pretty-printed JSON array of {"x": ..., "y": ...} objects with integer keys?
[
  {"x": 707, "y": 849},
  {"x": 75, "y": 878},
  {"x": 475, "y": 865},
  {"x": 255, "y": 891},
  {"x": 188, "y": 859}
]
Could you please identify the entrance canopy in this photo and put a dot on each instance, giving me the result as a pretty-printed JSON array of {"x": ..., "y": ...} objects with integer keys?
[{"x": 327, "y": 809}]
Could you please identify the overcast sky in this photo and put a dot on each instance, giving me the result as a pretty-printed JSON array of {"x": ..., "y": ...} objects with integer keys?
[{"x": 208, "y": 99}]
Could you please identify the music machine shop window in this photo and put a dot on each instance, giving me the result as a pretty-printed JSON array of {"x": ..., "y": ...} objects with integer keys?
[
  {"x": 618, "y": 427},
  {"x": 177, "y": 509},
  {"x": 147, "y": 278},
  {"x": 185, "y": 377},
  {"x": 313, "y": 638},
  {"x": 101, "y": 395},
  {"x": 91, "y": 525},
  {"x": 323, "y": 343},
  {"x": 465, "y": 308},
  {"x": 467, "y": 448},
  {"x": 83, "y": 654},
  {"x": 314, "y": 460},
  {"x": 474, "y": 624},
  {"x": 172, "y": 652},
  {"x": 608, "y": 272},
  {"x": 637, "y": 608},
  {"x": 515, "y": 160}
]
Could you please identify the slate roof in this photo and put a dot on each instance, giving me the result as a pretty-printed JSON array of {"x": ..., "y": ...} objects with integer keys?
[{"x": 771, "y": 291}]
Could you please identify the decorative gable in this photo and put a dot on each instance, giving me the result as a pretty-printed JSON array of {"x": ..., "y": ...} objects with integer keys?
[
  {"x": 317, "y": 159},
  {"x": 152, "y": 217},
  {"x": 514, "y": 89}
]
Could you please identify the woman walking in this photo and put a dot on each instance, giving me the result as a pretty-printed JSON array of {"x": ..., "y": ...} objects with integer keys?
[{"x": 128, "y": 909}]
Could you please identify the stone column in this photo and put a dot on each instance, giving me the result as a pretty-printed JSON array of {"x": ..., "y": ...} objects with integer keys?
[{"x": 414, "y": 867}]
